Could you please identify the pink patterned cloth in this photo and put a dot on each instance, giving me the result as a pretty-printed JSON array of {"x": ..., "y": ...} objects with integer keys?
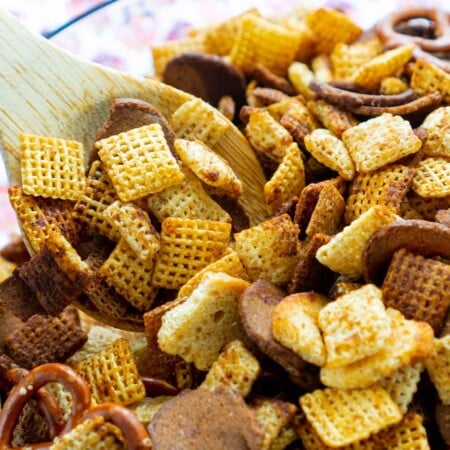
[{"x": 119, "y": 35}]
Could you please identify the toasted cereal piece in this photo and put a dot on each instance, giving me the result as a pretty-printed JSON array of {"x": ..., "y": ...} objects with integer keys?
[
  {"x": 432, "y": 177},
  {"x": 300, "y": 76},
  {"x": 112, "y": 375},
  {"x": 130, "y": 276},
  {"x": 208, "y": 166},
  {"x": 342, "y": 287},
  {"x": 266, "y": 78},
  {"x": 425, "y": 208},
  {"x": 93, "y": 434},
  {"x": 267, "y": 136},
  {"x": 309, "y": 274},
  {"x": 330, "y": 151},
  {"x": 347, "y": 59},
  {"x": 164, "y": 52},
  {"x": 269, "y": 250},
  {"x": 265, "y": 96},
  {"x": 98, "y": 194},
  {"x": 229, "y": 264},
  {"x": 187, "y": 200},
  {"x": 51, "y": 167},
  {"x": 354, "y": 326},
  {"x": 35, "y": 225},
  {"x": 389, "y": 63},
  {"x": 328, "y": 212},
  {"x": 139, "y": 162},
  {"x": 418, "y": 287},
  {"x": 187, "y": 246},
  {"x": 380, "y": 141},
  {"x": 99, "y": 336},
  {"x": 53, "y": 289},
  {"x": 295, "y": 325},
  {"x": 273, "y": 415},
  {"x": 260, "y": 41},
  {"x": 219, "y": 38},
  {"x": 208, "y": 319},
  {"x": 227, "y": 106},
  {"x": 134, "y": 226},
  {"x": 410, "y": 342},
  {"x": 427, "y": 77},
  {"x": 235, "y": 368},
  {"x": 402, "y": 385},
  {"x": 333, "y": 118},
  {"x": 386, "y": 186},
  {"x": 146, "y": 408},
  {"x": 392, "y": 86},
  {"x": 343, "y": 253},
  {"x": 437, "y": 124},
  {"x": 199, "y": 120},
  {"x": 287, "y": 181},
  {"x": 438, "y": 367},
  {"x": 44, "y": 339},
  {"x": 330, "y": 27},
  {"x": 342, "y": 417},
  {"x": 321, "y": 67},
  {"x": 297, "y": 119},
  {"x": 287, "y": 436}
]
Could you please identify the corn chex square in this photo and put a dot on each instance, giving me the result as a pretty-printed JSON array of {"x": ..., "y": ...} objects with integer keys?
[
  {"x": 235, "y": 368},
  {"x": 437, "y": 124},
  {"x": 347, "y": 59},
  {"x": 354, "y": 326},
  {"x": 230, "y": 264},
  {"x": 342, "y": 417},
  {"x": 386, "y": 186},
  {"x": 438, "y": 367},
  {"x": 410, "y": 342},
  {"x": 260, "y": 41},
  {"x": 93, "y": 434},
  {"x": 418, "y": 287},
  {"x": 34, "y": 224},
  {"x": 187, "y": 200},
  {"x": 98, "y": 194},
  {"x": 269, "y": 249},
  {"x": 197, "y": 119},
  {"x": 343, "y": 253},
  {"x": 134, "y": 227},
  {"x": 427, "y": 77},
  {"x": 432, "y": 177},
  {"x": 330, "y": 27},
  {"x": 112, "y": 375},
  {"x": 377, "y": 142},
  {"x": 273, "y": 415},
  {"x": 139, "y": 162},
  {"x": 423, "y": 208},
  {"x": 51, "y": 167},
  {"x": 187, "y": 246},
  {"x": 130, "y": 276},
  {"x": 371, "y": 73},
  {"x": 267, "y": 136},
  {"x": 198, "y": 328},
  {"x": 402, "y": 385},
  {"x": 208, "y": 166},
  {"x": 287, "y": 181}
]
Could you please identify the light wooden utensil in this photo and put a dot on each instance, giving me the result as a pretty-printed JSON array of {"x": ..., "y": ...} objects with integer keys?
[{"x": 47, "y": 91}]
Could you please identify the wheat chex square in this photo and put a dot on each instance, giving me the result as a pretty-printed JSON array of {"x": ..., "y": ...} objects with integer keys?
[{"x": 139, "y": 162}]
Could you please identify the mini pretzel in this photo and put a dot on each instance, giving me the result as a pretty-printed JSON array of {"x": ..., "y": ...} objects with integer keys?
[
  {"x": 385, "y": 29},
  {"x": 30, "y": 384},
  {"x": 47, "y": 404},
  {"x": 134, "y": 433}
]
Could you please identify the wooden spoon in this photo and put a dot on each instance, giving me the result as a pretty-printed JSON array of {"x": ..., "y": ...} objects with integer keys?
[{"x": 47, "y": 91}]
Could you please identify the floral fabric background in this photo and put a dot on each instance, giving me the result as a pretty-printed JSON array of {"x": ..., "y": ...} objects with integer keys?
[{"x": 119, "y": 34}]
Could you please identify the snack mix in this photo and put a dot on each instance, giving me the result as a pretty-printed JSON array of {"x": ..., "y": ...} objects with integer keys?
[{"x": 153, "y": 312}]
